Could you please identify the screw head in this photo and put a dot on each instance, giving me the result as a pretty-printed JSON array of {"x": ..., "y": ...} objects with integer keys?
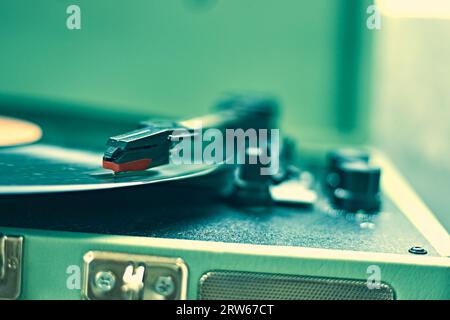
[
  {"x": 105, "y": 281},
  {"x": 164, "y": 285},
  {"x": 417, "y": 250},
  {"x": 13, "y": 263}
]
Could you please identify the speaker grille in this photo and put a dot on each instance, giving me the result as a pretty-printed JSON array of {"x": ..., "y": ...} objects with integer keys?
[{"x": 224, "y": 285}]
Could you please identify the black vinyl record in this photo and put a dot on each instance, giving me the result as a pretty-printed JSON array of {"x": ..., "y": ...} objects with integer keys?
[
  {"x": 42, "y": 177},
  {"x": 40, "y": 168}
]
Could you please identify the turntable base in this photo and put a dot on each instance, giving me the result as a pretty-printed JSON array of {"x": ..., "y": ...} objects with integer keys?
[{"x": 59, "y": 228}]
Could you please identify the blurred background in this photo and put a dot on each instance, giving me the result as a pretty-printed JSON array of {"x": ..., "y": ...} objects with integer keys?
[
  {"x": 410, "y": 107},
  {"x": 339, "y": 81}
]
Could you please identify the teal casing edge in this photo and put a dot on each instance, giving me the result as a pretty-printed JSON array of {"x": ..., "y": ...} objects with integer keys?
[{"x": 49, "y": 257}]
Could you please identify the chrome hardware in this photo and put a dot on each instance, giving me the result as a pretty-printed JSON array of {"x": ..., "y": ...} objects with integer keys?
[
  {"x": 122, "y": 276},
  {"x": 10, "y": 266}
]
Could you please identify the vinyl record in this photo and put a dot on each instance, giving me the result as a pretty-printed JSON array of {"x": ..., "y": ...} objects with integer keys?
[{"x": 41, "y": 168}]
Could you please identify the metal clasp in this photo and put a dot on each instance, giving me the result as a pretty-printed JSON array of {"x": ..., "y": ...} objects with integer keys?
[
  {"x": 123, "y": 276},
  {"x": 10, "y": 266}
]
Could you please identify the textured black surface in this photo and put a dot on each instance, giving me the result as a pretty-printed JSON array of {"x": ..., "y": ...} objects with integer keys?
[{"x": 190, "y": 218}]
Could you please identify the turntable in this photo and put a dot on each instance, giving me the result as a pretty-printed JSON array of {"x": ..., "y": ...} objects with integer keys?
[{"x": 81, "y": 220}]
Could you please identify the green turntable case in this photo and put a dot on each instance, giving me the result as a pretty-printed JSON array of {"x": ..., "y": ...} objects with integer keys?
[{"x": 173, "y": 58}]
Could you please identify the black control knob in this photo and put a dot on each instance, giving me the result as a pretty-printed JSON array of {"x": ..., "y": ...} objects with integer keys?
[
  {"x": 359, "y": 187},
  {"x": 252, "y": 186},
  {"x": 256, "y": 111},
  {"x": 336, "y": 158},
  {"x": 250, "y": 171}
]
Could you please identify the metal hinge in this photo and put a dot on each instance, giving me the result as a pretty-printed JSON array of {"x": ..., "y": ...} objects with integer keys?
[{"x": 10, "y": 266}]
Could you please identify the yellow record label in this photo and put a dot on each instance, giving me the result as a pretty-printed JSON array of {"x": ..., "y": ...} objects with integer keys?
[{"x": 14, "y": 132}]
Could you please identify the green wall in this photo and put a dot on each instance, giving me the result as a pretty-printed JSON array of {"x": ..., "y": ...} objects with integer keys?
[{"x": 175, "y": 57}]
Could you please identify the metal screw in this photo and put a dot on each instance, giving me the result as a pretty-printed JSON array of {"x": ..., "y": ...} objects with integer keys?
[
  {"x": 417, "y": 250},
  {"x": 105, "y": 281},
  {"x": 13, "y": 263},
  {"x": 164, "y": 285}
]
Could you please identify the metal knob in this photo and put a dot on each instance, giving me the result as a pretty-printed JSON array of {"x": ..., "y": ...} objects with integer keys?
[
  {"x": 359, "y": 187},
  {"x": 252, "y": 187},
  {"x": 337, "y": 157}
]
